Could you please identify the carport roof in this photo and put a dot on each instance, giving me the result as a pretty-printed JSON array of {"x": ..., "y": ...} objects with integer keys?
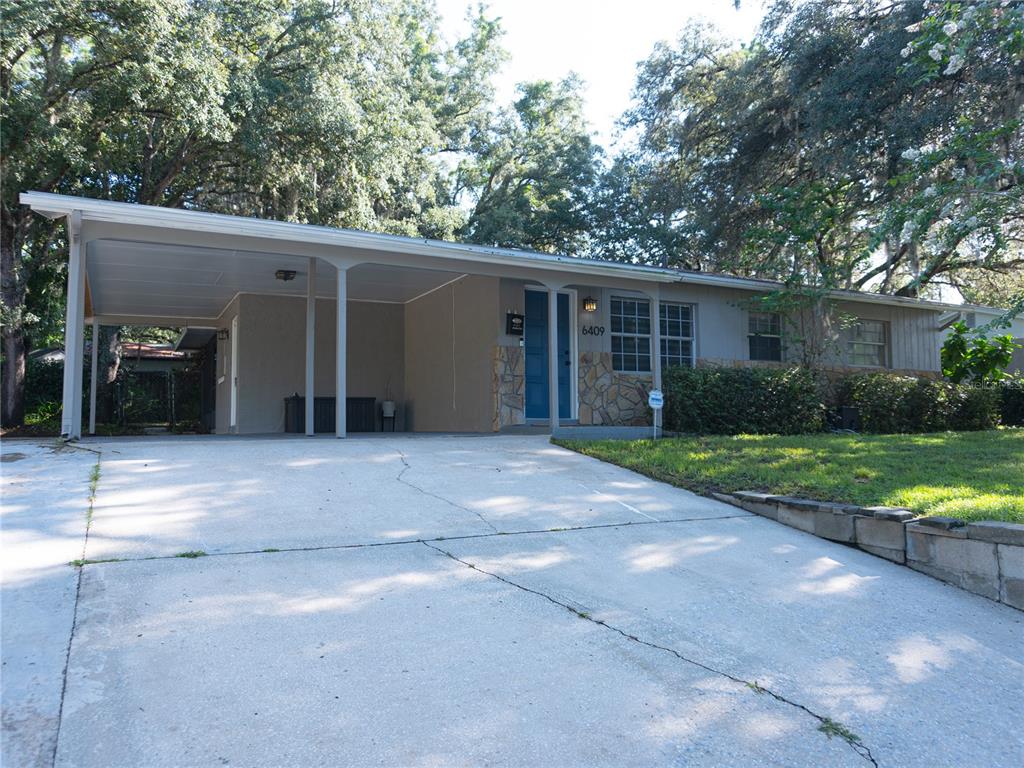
[{"x": 53, "y": 206}]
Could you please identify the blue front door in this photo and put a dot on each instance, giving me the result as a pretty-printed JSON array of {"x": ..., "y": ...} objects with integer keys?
[{"x": 536, "y": 339}]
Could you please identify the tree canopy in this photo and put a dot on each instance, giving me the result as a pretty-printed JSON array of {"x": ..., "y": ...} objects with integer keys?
[
  {"x": 336, "y": 112},
  {"x": 864, "y": 144},
  {"x": 853, "y": 144}
]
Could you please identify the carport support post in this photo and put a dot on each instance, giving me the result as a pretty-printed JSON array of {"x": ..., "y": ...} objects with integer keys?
[
  {"x": 553, "y": 361},
  {"x": 310, "y": 344},
  {"x": 341, "y": 342},
  {"x": 93, "y": 364},
  {"x": 74, "y": 320}
]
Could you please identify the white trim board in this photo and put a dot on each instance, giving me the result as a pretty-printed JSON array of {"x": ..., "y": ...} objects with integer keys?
[{"x": 54, "y": 206}]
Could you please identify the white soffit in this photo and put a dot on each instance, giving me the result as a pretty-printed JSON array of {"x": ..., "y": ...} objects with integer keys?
[
  {"x": 53, "y": 205},
  {"x": 161, "y": 280},
  {"x": 197, "y": 221}
]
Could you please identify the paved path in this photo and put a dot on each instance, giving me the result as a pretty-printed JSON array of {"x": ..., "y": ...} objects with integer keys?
[{"x": 433, "y": 601}]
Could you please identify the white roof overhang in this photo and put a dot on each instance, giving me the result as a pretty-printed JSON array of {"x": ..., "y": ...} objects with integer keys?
[
  {"x": 213, "y": 254},
  {"x": 196, "y": 221}
]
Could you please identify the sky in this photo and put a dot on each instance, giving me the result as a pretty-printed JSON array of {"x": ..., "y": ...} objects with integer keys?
[{"x": 600, "y": 40}]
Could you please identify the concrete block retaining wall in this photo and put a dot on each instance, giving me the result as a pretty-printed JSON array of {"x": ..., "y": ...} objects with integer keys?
[{"x": 986, "y": 558}]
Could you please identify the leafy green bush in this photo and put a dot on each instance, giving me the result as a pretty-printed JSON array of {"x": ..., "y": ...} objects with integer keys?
[
  {"x": 973, "y": 407},
  {"x": 728, "y": 401},
  {"x": 969, "y": 355},
  {"x": 891, "y": 403},
  {"x": 44, "y": 383},
  {"x": 743, "y": 400},
  {"x": 1012, "y": 400}
]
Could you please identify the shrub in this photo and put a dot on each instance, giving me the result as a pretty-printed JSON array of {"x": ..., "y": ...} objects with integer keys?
[
  {"x": 969, "y": 355},
  {"x": 734, "y": 400},
  {"x": 973, "y": 407},
  {"x": 1012, "y": 400},
  {"x": 44, "y": 383},
  {"x": 891, "y": 403}
]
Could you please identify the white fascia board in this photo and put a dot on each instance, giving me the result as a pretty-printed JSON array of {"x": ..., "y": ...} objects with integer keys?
[
  {"x": 198, "y": 221},
  {"x": 53, "y": 205}
]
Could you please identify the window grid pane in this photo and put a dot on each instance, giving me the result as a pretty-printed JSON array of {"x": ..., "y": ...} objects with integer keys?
[
  {"x": 630, "y": 331},
  {"x": 765, "y": 324},
  {"x": 766, "y": 348},
  {"x": 676, "y": 321},
  {"x": 866, "y": 344},
  {"x": 764, "y": 332}
]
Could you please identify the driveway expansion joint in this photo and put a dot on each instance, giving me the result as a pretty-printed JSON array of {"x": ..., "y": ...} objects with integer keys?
[
  {"x": 94, "y": 481},
  {"x": 402, "y": 542},
  {"x": 826, "y": 725}
]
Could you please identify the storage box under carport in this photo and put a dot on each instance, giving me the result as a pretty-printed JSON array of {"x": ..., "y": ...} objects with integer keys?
[{"x": 360, "y": 414}]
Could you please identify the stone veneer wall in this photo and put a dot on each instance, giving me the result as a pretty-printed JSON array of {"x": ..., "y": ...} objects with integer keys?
[
  {"x": 608, "y": 397},
  {"x": 508, "y": 383}
]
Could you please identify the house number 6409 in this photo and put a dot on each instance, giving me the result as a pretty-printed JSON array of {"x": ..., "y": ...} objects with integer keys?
[{"x": 593, "y": 330}]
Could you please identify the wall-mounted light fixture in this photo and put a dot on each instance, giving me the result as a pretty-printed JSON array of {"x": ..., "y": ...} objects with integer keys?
[
  {"x": 222, "y": 334},
  {"x": 590, "y": 304},
  {"x": 285, "y": 274}
]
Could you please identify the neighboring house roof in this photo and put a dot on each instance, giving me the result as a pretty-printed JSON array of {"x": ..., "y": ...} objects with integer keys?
[
  {"x": 137, "y": 350},
  {"x": 50, "y": 355},
  {"x": 197, "y": 221}
]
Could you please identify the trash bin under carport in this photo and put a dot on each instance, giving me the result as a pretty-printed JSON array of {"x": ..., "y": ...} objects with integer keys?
[{"x": 295, "y": 413}]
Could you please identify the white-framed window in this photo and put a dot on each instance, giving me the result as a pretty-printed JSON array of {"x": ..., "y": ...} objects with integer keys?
[
  {"x": 764, "y": 334},
  {"x": 631, "y": 334},
  {"x": 866, "y": 344},
  {"x": 676, "y": 334}
]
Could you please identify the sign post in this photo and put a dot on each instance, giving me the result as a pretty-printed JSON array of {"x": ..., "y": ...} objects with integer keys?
[{"x": 657, "y": 401}]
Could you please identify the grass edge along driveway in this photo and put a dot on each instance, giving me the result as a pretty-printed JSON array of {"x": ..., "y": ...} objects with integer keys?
[{"x": 969, "y": 475}]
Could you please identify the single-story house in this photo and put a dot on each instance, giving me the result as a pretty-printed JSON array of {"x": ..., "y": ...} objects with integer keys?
[{"x": 461, "y": 338}]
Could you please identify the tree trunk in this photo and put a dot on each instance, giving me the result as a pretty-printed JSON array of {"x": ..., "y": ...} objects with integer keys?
[
  {"x": 12, "y": 294},
  {"x": 113, "y": 354},
  {"x": 15, "y": 355}
]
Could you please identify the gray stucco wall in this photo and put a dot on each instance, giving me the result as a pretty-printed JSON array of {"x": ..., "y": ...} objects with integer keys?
[
  {"x": 272, "y": 356},
  {"x": 438, "y": 352},
  {"x": 721, "y": 320},
  {"x": 450, "y": 336}
]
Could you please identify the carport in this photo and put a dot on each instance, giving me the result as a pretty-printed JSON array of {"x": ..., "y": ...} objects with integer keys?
[{"x": 144, "y": 265}]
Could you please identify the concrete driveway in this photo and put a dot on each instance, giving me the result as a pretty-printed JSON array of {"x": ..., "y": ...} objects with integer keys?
[{"x": 435, "y": 601}]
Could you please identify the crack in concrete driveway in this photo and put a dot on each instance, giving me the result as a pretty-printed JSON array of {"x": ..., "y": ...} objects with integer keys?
[
  {"x": 401, "y": 478},
  {"x": 826, "y": 724}
]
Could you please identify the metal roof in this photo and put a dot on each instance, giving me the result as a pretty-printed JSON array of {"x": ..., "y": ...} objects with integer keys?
[{"x": 53, "y": 206}]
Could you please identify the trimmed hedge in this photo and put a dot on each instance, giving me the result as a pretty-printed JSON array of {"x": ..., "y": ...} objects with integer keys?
[
  {"x": 729, "y": 401},
  {"x": 1012, "y": 407},
  {"x": 789, "y": 401},
  {"x": 891, "y": 403}
]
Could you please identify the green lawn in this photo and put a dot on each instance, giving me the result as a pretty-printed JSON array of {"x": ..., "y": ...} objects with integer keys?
[{"x": 970, "y": 475}]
